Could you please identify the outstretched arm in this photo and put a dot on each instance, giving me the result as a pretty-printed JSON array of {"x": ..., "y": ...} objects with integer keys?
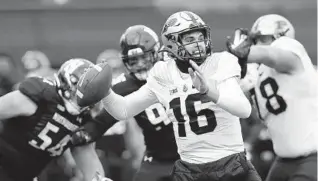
[
  {"x": 87, "y": 161},
  {"x": 283, "y": 54},
  {"x": 281, "y": 60},
  {"x": 16, "y": 104},
  {"x": 123, "y": 108}
]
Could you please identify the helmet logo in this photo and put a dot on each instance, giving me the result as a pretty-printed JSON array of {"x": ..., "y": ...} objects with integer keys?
[
  {"x": 169, "y": 23},
  {"x": 192, "y": 18},
  {"x": 135, "y": 52}
]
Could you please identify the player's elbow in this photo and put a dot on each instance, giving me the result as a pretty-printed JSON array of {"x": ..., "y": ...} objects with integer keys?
[{"x": 246, "y": 109}]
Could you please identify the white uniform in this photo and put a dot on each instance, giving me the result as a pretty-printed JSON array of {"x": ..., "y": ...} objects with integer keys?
[
  {"x": 204, "y": 132},
  {"x": 288, "y": 103}
]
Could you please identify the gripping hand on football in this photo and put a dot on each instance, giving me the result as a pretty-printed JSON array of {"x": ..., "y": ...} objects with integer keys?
[{"x": 239, "y": 45}]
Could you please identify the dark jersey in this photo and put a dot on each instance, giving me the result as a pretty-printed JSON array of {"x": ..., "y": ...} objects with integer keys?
[
  {"x": 157, "y": 128},
  {"x": 29, "y": 143}
]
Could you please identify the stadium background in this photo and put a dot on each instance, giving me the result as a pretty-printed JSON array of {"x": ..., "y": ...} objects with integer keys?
[{"x": 64, "y": 29}]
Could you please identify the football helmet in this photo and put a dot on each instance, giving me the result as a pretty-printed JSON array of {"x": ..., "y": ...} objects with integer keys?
[
  {"x": 273, "y": 25},
  {"x": 176, "y": 26},
  {"x": 139, "y": 48},
  {"x": 66, "y": 80}
]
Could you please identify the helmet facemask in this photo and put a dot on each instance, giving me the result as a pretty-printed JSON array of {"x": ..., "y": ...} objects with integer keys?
[
  {"x": 199, "y": 52},
  {"x": 139, "y": 63}
]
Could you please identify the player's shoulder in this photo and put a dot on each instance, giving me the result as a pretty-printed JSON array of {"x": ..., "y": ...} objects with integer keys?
[
  {"x": 289, "y": 44},
  {"x": 222, "y": 65},
  {"x": 127, "y": 85},
  {"x": 286, "y": 41},
  {"x": 39, "y": 88},
  {"x": 159, "y": 68},
  {"x": 162, "y": 71},
  {"x": 221, "y": 58}
]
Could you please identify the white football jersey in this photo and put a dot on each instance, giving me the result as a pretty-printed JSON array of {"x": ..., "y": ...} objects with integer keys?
[
  {"x": 288, "y": 103},
  {"x": 204, "y": 132}
]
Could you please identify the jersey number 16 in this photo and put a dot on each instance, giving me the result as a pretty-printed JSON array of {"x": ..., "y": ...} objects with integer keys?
[{"x": 192, "y": 108}]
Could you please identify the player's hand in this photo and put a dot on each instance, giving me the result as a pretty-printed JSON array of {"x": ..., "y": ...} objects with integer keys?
[
  {"x": 198, "y": 80},
  {"x": 80, "y": 137},
  {"x": 98, "y": 177},
  {"x": 77, "y": 175},
  {"x": 239, "y": 44}
]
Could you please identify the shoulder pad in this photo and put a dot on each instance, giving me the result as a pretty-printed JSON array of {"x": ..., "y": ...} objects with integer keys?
[{"x": 38, "y": 89}]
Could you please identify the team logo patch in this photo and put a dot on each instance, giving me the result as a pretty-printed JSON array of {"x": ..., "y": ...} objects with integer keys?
[
  {"x": 185, "y": 88},
  {"x": 173, "y": 91}
]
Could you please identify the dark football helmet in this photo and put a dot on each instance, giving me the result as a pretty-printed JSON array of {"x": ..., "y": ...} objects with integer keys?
[
  {"x": 66, "y": 80},
  {"x": 139, "y": 48}
]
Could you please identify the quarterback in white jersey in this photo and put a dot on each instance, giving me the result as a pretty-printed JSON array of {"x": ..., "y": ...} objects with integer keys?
[
  {"x": 203, "y": 99},
  {"x": 285, "y": 94}
]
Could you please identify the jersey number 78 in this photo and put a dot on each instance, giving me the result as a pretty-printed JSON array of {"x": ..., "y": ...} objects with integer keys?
[{"x": 275, "y": 103}]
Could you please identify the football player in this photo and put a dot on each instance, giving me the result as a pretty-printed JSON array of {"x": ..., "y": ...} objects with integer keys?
[
  {"x": 202, "y": 97},
  {"x": 284, "y": 95},
  {"x": 139, "y": 48},
  {"x": 41, "y": 120}
]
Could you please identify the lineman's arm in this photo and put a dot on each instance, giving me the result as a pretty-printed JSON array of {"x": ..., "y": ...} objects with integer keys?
[
  {"x": 16, "y": 104},
  {"x": 123, "y": 108},
  {"x": 68, "y": 164},
  {"x": 135, "y": 142},
  {"x": 281, "y": 60},
  {"x": 87, "y": 161}
]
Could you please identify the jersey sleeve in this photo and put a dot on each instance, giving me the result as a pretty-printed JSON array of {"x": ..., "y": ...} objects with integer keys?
[
  {"x": 290, "y": 44},
  {"x": 227, "y": 67},
  {"x": 38, "y": 89},
  {"x": 157, "y": 78}
]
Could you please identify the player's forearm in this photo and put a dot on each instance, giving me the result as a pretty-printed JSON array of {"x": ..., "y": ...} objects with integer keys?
[
  {"x": 232, "y": 99},
  {"x": 123, "y": 108},
  {"x": 261, "y": 54},
  {"x": 67, "y": 163},
  {"x": 87, "y": 161},
  {"x": 279, "y": 59},
  {"x": 115, "y": 105}
]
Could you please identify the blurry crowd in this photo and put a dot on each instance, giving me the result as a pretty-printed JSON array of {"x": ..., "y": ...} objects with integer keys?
[{"x": 115, "y": 156}]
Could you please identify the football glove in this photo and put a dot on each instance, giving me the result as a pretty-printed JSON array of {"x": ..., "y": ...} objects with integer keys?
[
  {"x": 239, "y": 45},
  {"x": 80, "y": 137}
]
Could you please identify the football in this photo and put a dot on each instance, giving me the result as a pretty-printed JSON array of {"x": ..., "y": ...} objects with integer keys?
[{"x": 94, "y": 84}]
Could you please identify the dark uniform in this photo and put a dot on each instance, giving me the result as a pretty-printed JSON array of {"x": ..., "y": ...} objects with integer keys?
[
  {"x": 28, "y": 144},
  {"x": 161, "y": 148}
]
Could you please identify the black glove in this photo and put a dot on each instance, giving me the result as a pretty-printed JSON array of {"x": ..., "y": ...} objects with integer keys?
[
  {"x": 239, "y": 45},
  {"x": 81, "y": 137}
]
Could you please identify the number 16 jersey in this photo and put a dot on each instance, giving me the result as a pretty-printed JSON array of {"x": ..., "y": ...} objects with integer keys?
[{"x": 203, "y": 131}]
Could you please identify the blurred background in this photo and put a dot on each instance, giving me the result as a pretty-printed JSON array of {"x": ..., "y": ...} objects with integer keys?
[{"x": 37, "y": 36}]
